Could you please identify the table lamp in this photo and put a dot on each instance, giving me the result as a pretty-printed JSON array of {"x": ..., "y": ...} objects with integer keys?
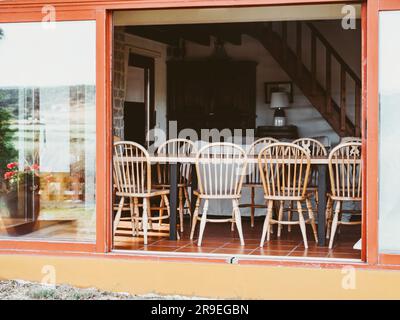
[{"x": 279, "y": 101}]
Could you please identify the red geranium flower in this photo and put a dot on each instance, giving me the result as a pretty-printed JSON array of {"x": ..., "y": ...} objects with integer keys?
[
  {"x": 8, "y": 175},
  {"x": 35, "y": 167},
  {"x": 12, "y": 165}
]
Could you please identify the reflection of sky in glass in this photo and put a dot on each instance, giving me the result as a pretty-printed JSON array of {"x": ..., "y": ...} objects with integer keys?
[
  {"x": 389, "y": 132},
  {"x": 31, "y": 55},
  {"x": 389, "y": 50}
]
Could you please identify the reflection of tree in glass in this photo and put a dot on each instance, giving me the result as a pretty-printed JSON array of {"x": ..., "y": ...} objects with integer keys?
[{"x": 7, "y": 150}]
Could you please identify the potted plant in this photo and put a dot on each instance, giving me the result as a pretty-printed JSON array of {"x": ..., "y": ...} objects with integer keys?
[{"x": 23, "y": 186}]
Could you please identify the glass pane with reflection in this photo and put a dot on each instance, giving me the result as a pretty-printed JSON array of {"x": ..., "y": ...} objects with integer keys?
[
  {"x": 48, "y": 130},
  {"x": 389, "y": 132}
]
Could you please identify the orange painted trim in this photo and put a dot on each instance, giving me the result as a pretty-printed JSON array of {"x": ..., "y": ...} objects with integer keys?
[
  {"x": 363, "y": 127},
  {"x": 101, "y": 131},
  {"x": 36, "y": 15},
  {"x": 388, "y": 5},
  {"x": 115, "y": 4},
  {"x": 109, "y": 133},
  {"x": 29, "y": 245},
  {"x": 372, "y": 117},
  {"x": 389, "y": 259}
]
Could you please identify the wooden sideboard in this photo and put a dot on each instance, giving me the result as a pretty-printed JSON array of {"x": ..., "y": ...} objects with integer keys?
[
  {"x": 210, "y": 94},
  {"x": 283, "y": 132}
]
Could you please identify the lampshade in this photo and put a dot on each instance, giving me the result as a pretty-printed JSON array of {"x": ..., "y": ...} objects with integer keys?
[{"x": 279, "y": 100}]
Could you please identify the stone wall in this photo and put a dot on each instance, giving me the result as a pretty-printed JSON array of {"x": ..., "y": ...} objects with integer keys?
[{"x": 119, "y": 82}]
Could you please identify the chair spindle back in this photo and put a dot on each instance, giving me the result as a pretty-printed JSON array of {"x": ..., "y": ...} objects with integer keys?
[
  {"x": 253, "y": 174},
  {"x": 175, "y": 148},
  {"x": 220, "y": 169},
  {"x": 345, "y": 171},
  {"x": 284, "y": 169},
  {"x": 131, "y": 168}
]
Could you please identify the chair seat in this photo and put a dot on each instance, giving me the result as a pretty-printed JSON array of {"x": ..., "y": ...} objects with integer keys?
[
  {"x": 285, "y": 198},
  {"x": 341, "y": 198},
  {"x": 259, "y": 185},
  {"x": 180, "y": 185},
  {"x": 152, "y": 193},
  {"x": 216, "y": 197}
]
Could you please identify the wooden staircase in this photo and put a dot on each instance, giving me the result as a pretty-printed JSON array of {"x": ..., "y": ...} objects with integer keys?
[{"x": 319, "y": 94}]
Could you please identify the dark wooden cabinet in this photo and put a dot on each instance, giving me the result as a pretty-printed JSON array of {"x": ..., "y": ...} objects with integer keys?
[
  {"x": 277, "y": 132},
  {"x": 212, "y": 94}
]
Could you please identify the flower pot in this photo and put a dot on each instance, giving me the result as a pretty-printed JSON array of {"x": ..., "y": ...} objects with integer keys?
[
  {"x": 10, "y": 200},
  {"x": 29, "y": 199}
]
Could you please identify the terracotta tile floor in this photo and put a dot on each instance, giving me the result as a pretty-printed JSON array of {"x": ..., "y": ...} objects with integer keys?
[{"x": 218, "y": 238}]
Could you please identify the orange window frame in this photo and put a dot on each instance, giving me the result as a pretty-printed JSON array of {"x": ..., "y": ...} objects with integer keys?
[
  {"x": 11, "y": 15},
  {"x": 101, "y": 11},
  {"x": 373, "y": 104}
]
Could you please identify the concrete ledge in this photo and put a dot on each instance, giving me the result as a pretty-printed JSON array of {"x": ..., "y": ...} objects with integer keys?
[{"x": 204, "y": 279}]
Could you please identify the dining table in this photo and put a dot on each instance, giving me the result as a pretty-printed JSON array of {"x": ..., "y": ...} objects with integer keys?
[{"x": 174, "y": 160}]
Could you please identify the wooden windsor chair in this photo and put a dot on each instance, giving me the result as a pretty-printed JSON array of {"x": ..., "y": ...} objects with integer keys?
[
  {"x": 315, "y": 149},
  {"x": 177, "y": 148},
  {"x": 116, "y": 199},
  {"x": 132, "y": 178},
  {"x": 220, "y": 169},
  {"x": 253, "y": 178},
  {"x": 285, "y": 168},
  {"x": 345, "y": 172}
]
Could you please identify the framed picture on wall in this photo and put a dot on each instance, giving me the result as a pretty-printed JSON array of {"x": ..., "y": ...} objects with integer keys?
[{"x": 281, "y": 86}]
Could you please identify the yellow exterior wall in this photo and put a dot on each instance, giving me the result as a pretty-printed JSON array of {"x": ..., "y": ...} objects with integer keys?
[{"x": 204, "y": 279}]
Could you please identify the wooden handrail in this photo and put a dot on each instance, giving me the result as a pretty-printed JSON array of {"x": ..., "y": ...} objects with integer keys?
[
  {"x": 306, "y": 74},
  {"x": 344, "y": 70}
]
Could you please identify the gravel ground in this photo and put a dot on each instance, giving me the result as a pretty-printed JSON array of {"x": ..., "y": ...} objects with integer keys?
[{"x": 22, "y": 290}]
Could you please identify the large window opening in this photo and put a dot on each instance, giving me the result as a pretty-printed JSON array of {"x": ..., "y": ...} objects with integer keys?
[{"x": 239, "y": 75}]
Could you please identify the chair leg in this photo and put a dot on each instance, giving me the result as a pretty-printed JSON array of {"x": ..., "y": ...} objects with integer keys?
[
  {"x": 238, "y": 220},
  {"x": 302, "y": 224},
  {"x": 252, "y": 208},
  {"x": 280, "y": 216},
  {"x": 203, "y": 222},
  {"x": 328, "y": 214},
  {"x": 133, "y": 219},
  {"x": 168, "y": 211},
  {"x": 233, "y": 220},
  {"x": 118, "y": 215},
  {"x": 161, "y": 211},
  {"x": 291, "y": 206},
  {"x": 311, "y": 216},
  {"x": 271, "y": 229},
  {"x": 334, "y": 223},
  {"x": 166, "y": 201},
  {"x": 187, "y": 200},
  {"x": 181, "y": 208},
  {"x": 194, "y": 219},
  {"x": 136, "y": 211},
  {"x": 145, "y": 220},
  {"x": 266, "y": 223}
]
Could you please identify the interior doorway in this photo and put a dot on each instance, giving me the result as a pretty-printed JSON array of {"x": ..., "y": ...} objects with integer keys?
[{"x": 139, "y": 104}]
